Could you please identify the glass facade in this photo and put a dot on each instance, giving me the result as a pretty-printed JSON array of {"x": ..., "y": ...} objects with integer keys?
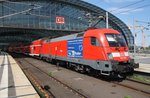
[{"x": 41, "y": 14}]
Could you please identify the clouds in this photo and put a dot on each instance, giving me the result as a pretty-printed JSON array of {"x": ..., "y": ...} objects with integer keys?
[
  {"x": 116, "y": 10},
  {"x": 118, "y": 1}
]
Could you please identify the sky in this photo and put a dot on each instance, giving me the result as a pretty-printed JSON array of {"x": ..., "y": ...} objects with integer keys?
[{"x": 139, "y": 11}]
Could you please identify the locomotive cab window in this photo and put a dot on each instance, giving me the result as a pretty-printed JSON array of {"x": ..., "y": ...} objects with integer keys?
[
  {"x": 95, "y": 42},
  {"x": 116, "y": 40}
]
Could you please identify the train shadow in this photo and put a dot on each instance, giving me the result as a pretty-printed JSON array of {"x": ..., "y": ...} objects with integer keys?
[
  {"x": 111, "y": 79},
  {"x": 20, "y": 55},
  {"x": 101, "y": 77}
]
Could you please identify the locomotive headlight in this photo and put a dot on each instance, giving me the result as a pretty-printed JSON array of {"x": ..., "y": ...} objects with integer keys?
[{"x": 110, "y": 56}]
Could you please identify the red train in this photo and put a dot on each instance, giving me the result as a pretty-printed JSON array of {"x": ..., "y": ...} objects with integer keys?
[{"x": 103, "y": 51}]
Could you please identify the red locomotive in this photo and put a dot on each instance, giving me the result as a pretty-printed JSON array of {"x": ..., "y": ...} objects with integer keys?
[{"x": 103, "y": 51}]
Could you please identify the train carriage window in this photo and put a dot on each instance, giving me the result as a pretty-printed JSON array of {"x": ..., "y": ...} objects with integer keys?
[{"x": 95, "y": 42}]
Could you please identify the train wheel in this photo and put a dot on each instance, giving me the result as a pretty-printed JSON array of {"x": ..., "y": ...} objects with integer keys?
[
  {"x": 53, "y": 61},
  {"x": 122, "y": 76},
  {"x": 88, "y": 70},
  {"x": 130, "y": 73},
  {"x": 68, "y": 65},
  {"x": 58, "y": 65},
  {"x": 77, "y": 67},
  {"x": 40, "y": 57},
  {"x": 82, "y": 69},
  {"x": 47, "y": 59}
]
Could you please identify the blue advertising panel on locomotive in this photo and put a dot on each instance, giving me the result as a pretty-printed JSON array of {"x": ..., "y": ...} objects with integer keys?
[{"x": 75, "y": 48}]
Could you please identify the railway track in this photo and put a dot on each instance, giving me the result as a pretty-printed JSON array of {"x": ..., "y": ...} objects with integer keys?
[
  {"x": 118, "y": 83},
  {"x": 145, "y": 83},
  {"x": 70, "y": 91},
  {"x": 131, "y": 84},
  {"x": 142, "y": 73},
  {"x": 142, "y": 78},
  {"x": 148, "y": 84},
  {"x": 128, "y": 83},
  {"x": 40, "y": 89}
]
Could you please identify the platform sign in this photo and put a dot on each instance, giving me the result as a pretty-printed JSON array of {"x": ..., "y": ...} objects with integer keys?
[
  {"x": 60, "y": 20},
  {"x": 75, "y": 48}
]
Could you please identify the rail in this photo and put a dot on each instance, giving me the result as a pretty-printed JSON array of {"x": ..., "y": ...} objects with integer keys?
[{"x": 60, "y": 82}]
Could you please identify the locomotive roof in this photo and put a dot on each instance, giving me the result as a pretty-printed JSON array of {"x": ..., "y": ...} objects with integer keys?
[
  {"x": 73, "y": 36},
  {"x": 68, "y": 37}
]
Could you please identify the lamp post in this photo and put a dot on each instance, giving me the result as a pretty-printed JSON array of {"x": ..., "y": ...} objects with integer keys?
[
  {"x": 134, "y": 37},
  {"x": 107, "y": 22}
]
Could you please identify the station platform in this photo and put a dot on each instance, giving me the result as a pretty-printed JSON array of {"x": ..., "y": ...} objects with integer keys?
[
  {"x": 143, "y": 68},
  {"x": 13, "y": 82},
  {"x": 144, "y": 62}
]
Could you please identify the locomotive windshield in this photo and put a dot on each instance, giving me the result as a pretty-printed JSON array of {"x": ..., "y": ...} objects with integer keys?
[{"x": 116, "y": 40}]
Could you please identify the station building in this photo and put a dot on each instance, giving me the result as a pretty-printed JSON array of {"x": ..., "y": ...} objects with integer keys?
[{"x": 27, "y": 20}]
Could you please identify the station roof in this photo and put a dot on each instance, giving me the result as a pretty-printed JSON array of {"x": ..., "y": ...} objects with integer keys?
[{"x": 34, "y": 19}]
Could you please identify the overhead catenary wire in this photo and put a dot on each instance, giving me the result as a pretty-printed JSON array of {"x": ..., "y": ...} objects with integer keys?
[
  {"x": 143, "y": 22},
  {"x": 36, "y": 6},
  {"x": 134, "y": 9},
  {"x": 127, "y": 6},
  {"x": 15, "y": 13},
  {"x": 27, "y": 13},
  {"x": 23, "y": 3},
  {"x": 8, "y": 7},
  {"x": 44, "y": 16},
  {"x": 22, "y": 12}
]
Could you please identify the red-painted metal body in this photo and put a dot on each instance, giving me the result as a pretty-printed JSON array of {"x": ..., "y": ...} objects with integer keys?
[
  {"x": 90, "y": 52},
  {"x": 97, "y": 48},
  {"x": 35, "y": 47},
  {"x": 100, "y": 53},
  {"x": 58, "y": 48}
]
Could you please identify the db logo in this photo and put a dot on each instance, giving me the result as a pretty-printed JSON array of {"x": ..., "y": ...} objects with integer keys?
[{"x": 60, "y": 20}]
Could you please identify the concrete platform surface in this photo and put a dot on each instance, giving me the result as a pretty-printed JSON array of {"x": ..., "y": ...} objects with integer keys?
[
  {"x": 144, "y": 62},
  {"x": 13, "y": 82},
  {"x": 143, "y": 68}
]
